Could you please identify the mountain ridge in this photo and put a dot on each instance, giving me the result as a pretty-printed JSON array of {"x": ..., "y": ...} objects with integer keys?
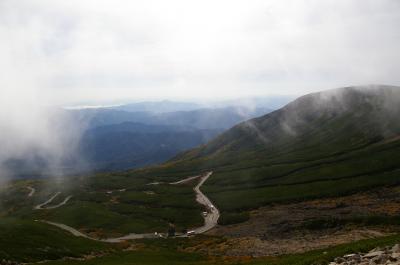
[
  {"x": 292, "y": 118},
  {"x": 323, "y": 144}
]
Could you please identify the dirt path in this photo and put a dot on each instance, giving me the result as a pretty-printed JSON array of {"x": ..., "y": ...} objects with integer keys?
[{"x": 210, "y": 221}]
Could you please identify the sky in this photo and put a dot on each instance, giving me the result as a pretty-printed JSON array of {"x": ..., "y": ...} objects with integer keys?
[
  {"x": 106, "y": 52},
  {"x": 98, "y": 51}
]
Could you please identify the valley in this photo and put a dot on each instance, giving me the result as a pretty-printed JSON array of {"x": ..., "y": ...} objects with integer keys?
[
  {"x": 211, "y": 216},
  {"x": 319, "y": 175}
]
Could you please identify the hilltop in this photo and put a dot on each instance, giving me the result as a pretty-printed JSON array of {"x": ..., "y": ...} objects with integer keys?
[{"x": 323, "y": 144}]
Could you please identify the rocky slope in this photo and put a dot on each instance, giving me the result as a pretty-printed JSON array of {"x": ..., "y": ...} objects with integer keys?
[{"x": 387, "y": 255}]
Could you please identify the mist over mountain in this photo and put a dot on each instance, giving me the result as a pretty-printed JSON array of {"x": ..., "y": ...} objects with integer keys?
[
  {"x": 324, "y": 164},
  {"x": 130, "y": 145},
  {"x": 39, "y": 140},
  {"x": 158, "y": 106},
  {"x": 122, "y": 140},
  {"x": 127, "y": 136},
  {"x": 345, "y": 116},
  {"x": 327, "y": 143},
  {"x": 200, "y": 132},
  {"x": 220, "y": 115}
]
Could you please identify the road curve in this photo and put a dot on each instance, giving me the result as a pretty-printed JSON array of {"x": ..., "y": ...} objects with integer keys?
[
  {"x": 210, "y": 221},
  {"x": 69, "y": 229},
  {"x": 60, "y": 204},
  {"x": 183, "y": 181},
  {"x": 42, "y": 206},
  {"x": 31, "y": 191},
  {"x": 77, "y": 233}
]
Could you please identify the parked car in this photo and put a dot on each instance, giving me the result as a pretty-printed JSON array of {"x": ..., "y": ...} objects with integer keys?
[{"x": 191, "y": 233}]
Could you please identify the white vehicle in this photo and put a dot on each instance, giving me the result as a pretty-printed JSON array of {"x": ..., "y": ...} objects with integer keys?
[
  {"x": 204, "y": 214},
  {"x": 191, "y": 233}
]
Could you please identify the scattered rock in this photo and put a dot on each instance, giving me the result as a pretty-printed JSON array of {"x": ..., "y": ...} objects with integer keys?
[
  {"x": 377, "y": 256},
  {"x": 395, "y": 255},
  {"x": 374, "y": 254},
  {"x": 340, "y": 260},
  {"x": 396, "y": 248}
]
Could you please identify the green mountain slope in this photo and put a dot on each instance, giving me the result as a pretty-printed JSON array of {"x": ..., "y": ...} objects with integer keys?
[
  {"x": 29, "y": 241},
  {"x": 322, "y": 144}
]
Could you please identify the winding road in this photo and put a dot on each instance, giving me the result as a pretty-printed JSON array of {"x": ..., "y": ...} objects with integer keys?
[
  {"x": 32, "y": 191},
  {"x": 210, "y": 220},
  {"x": 108, "y": 240},
  {"x": 183, "y": 181},
  {"x": 42, "y": 205}
]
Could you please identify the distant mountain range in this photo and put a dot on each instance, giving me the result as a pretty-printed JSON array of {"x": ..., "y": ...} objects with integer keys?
[
  {"x": 158, "y": 106},
  {"x": 204, "y": 118},
  {"x": 325, "y": 144},
  {"x": 133, "y": 135},
  {"x": 119, "y": 140},
  {"x": 129, "y": 145}
]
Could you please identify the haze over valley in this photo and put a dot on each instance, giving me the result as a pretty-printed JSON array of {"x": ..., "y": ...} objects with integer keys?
[{"x": 200, "y": 133}]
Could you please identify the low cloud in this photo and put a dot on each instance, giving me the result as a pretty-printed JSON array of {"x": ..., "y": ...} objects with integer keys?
[
  {"x": 57, "y": 52},
  {"x": 106, "y": 50}
]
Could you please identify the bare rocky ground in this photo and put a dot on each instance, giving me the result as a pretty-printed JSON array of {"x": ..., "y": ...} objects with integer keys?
[
  {"x": 387, "y": 255},
  {"x": 282, "y": 228}
]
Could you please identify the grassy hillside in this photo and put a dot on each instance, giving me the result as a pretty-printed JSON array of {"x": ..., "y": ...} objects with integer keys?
[
  {"x": 106, "y": 204},
  {"x": 25, "y": 240},
  {"x": 323, "y": 144}
]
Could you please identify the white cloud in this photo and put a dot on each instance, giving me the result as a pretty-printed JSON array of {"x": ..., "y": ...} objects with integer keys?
[
  {"x": 106, "y": 50},
  {"x": 97, "y": 51}
]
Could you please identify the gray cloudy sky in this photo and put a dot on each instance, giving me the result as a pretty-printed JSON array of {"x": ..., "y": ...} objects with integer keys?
[{"x": 73, "y": 51}]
